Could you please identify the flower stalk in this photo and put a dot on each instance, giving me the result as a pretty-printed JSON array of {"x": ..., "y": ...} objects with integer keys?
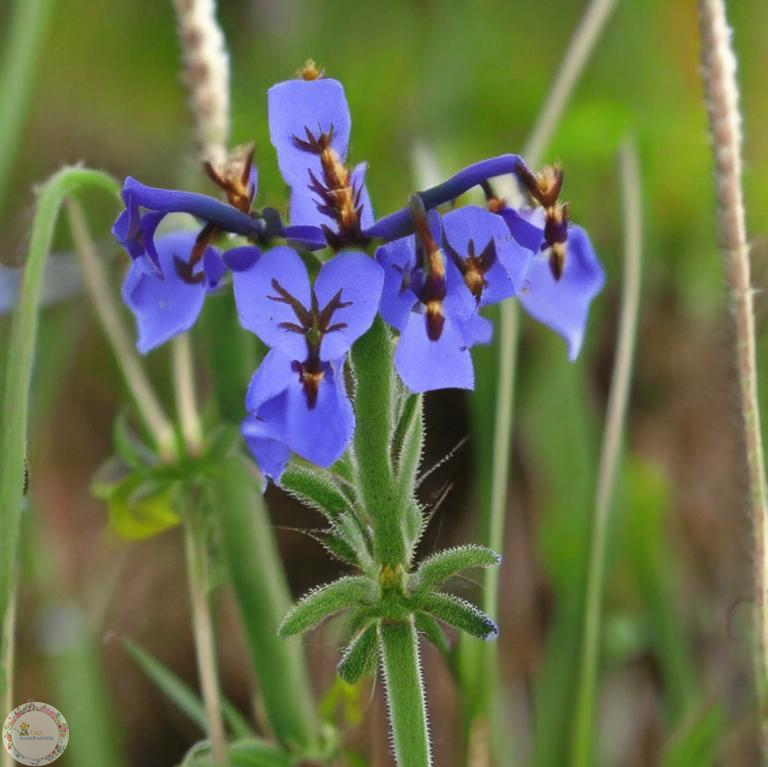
[
  {"x": 100, "y": 292},
  {"x": 722, "y": 100},
  {"x": 202, "y": 627}
]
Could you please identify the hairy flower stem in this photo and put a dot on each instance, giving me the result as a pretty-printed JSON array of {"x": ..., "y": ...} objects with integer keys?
[
  {"x": 372, "y": 363},
  {"x": 583, "y": 734},
  {"x": 186, "y": 397},
  {"x": 101, "y": 294},
  {"x": 404, "y": 684},
  {"x": 722, "y": 96},
  {"x": 202, "y": 628}
]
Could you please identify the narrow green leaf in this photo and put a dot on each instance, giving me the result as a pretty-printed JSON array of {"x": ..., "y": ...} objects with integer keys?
[
  {"x": 251, "y": 752},
  {"x": 431, "y": 629},
  {"x": 696, "y": 741},
  {"x": 315, "y": 488},
  {"x": 128, "y": 445},
  {"x": 360, "y": 655},
  {"x": 181, "y": 694},
  {"x": 140, "y": 508},
  {"x": 460, "y": 614},
  {"x": 20, "y": 356},
  {"x": 324, "y": 601},
  {"x": 263, "y": 597},
  {"x": 439, "y": 567},
  {"x": 405, "y": 694}
]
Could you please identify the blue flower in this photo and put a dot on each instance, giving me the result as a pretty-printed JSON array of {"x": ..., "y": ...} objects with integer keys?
[
  {"x": 559, "y": 296},
  {"x": 309, "y": 126},
  {"x": 297, "y": 398},
  {"x": 433, "y": 301},
  {"x": 164, "y": 301}
]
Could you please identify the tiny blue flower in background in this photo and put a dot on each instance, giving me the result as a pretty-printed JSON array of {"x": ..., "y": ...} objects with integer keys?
[
  {"x": 163, "y": 303},
  {"x": 309, "y": 126},
  {"x": 297, "y": 399},
  {"x": 427, "y": 300}
]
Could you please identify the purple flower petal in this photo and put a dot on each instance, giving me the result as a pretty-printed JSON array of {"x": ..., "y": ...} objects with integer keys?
[
  {"x": 164, "y": 305},
  {"x": 426, "y": 365},
  {"x": 322, "y": 433},
  {"x": 563, "y": 304},
  {"x": 358, "y": 182},
  {"x": 397, "y": 298},
  {"x": 357, "y": 281},
  {"x": 296, "y": 106},
  {"x": 482, "y": 227},
  {"x": 272, "y": 378},
  {"x": 263, "y": 294},
  {"x": 306, "y": 237},
  {"x": 241, "y": 259},
  {"x": 270, "y": 453}
]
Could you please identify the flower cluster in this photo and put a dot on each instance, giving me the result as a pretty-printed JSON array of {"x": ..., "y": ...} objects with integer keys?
[{"x": 311, "y": 286}]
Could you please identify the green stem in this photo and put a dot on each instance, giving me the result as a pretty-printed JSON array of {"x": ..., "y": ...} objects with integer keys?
[
  {"x": 186, "y": 396},
  {"x": 264, "y": 600},
  {"x": 583, "y": 735},
  {"x": 18, "y": 372},
  {"x": 372, "y": 363},
  {"x": 405, "y": 694},
  {"x": 29, "y": 23},
  {"x": 202, "y": 628},
  {"x": 9, "y": 652},
  {"x": 102, "y": 296}
]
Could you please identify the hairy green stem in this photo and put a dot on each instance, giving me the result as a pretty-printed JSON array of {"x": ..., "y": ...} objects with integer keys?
[
  {"x": 586, "y": 694},
  {"x": 404, "y": 684},
  {"x": 264, "y": 600},
  {"x": 722, "y": 95},
  {"x": 29, "y": 23},
  {"x": 18, "y": 372},
  {"x": 102, "y": 296},
  {"x": 372, "y": 363},
  {"x": 202, "y": 628}
]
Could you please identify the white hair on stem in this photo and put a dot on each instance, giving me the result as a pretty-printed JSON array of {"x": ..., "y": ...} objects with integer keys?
[{"x": 206, "y": 75}]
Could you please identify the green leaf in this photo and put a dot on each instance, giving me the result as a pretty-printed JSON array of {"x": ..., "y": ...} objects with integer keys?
[
  {"x": 319, "y": 604},
  {"x": 348, "y": 528},
  {"x": 141, "y": 507},
  {"x": 128, "y": 446},
  {"x": 360, "y": 655},
  {"x": 434, "y": 634},
  {"x": 405, "y": 694},
  {"x": 262, "y": 594},
  {"x": 183, "y": 695},
  {"x": 315, "y": 488},
  {"x": 243, "y": 753},
  {"x": 696, "y": 741},
  {"x": 460, "y": 614},
  {"x": 439, "y": 567},
  {"x": 20, "y": 355}
]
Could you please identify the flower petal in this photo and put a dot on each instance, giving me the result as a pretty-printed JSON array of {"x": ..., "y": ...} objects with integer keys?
[
  {"x": 262, "y": 309},
  {"x": 397, "y": 299},
  {"x": 322, "y": 433},
  {"x": 296, "y": 106},
  {"x": 272, "y": 377},
  {"x": 425, "y": 365},
  {"x": 164, "y": 305},
  {"x": 563, "y": 304},
  {"x": 270, "y": 453},
  {"x": 357, "y": 279}
]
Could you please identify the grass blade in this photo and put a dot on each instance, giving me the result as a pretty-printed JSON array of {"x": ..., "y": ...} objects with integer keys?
[{"x": 582, "y": 746}]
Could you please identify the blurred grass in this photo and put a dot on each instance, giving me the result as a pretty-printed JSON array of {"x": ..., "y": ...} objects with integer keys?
[{"x": 468, "y": 79}]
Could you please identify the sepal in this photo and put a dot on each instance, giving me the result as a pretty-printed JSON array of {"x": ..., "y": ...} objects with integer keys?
[
  {"x": 314, "y": 488},
  {"x": 360, "y": 656},
  {"x": 460, "y": 614},
  {"x": 439, "y": 567},
  {"x": 324, "y": 601}
]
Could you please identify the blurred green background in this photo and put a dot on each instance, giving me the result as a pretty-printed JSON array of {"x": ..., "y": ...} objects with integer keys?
[{"x": 466, "y": 79}]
